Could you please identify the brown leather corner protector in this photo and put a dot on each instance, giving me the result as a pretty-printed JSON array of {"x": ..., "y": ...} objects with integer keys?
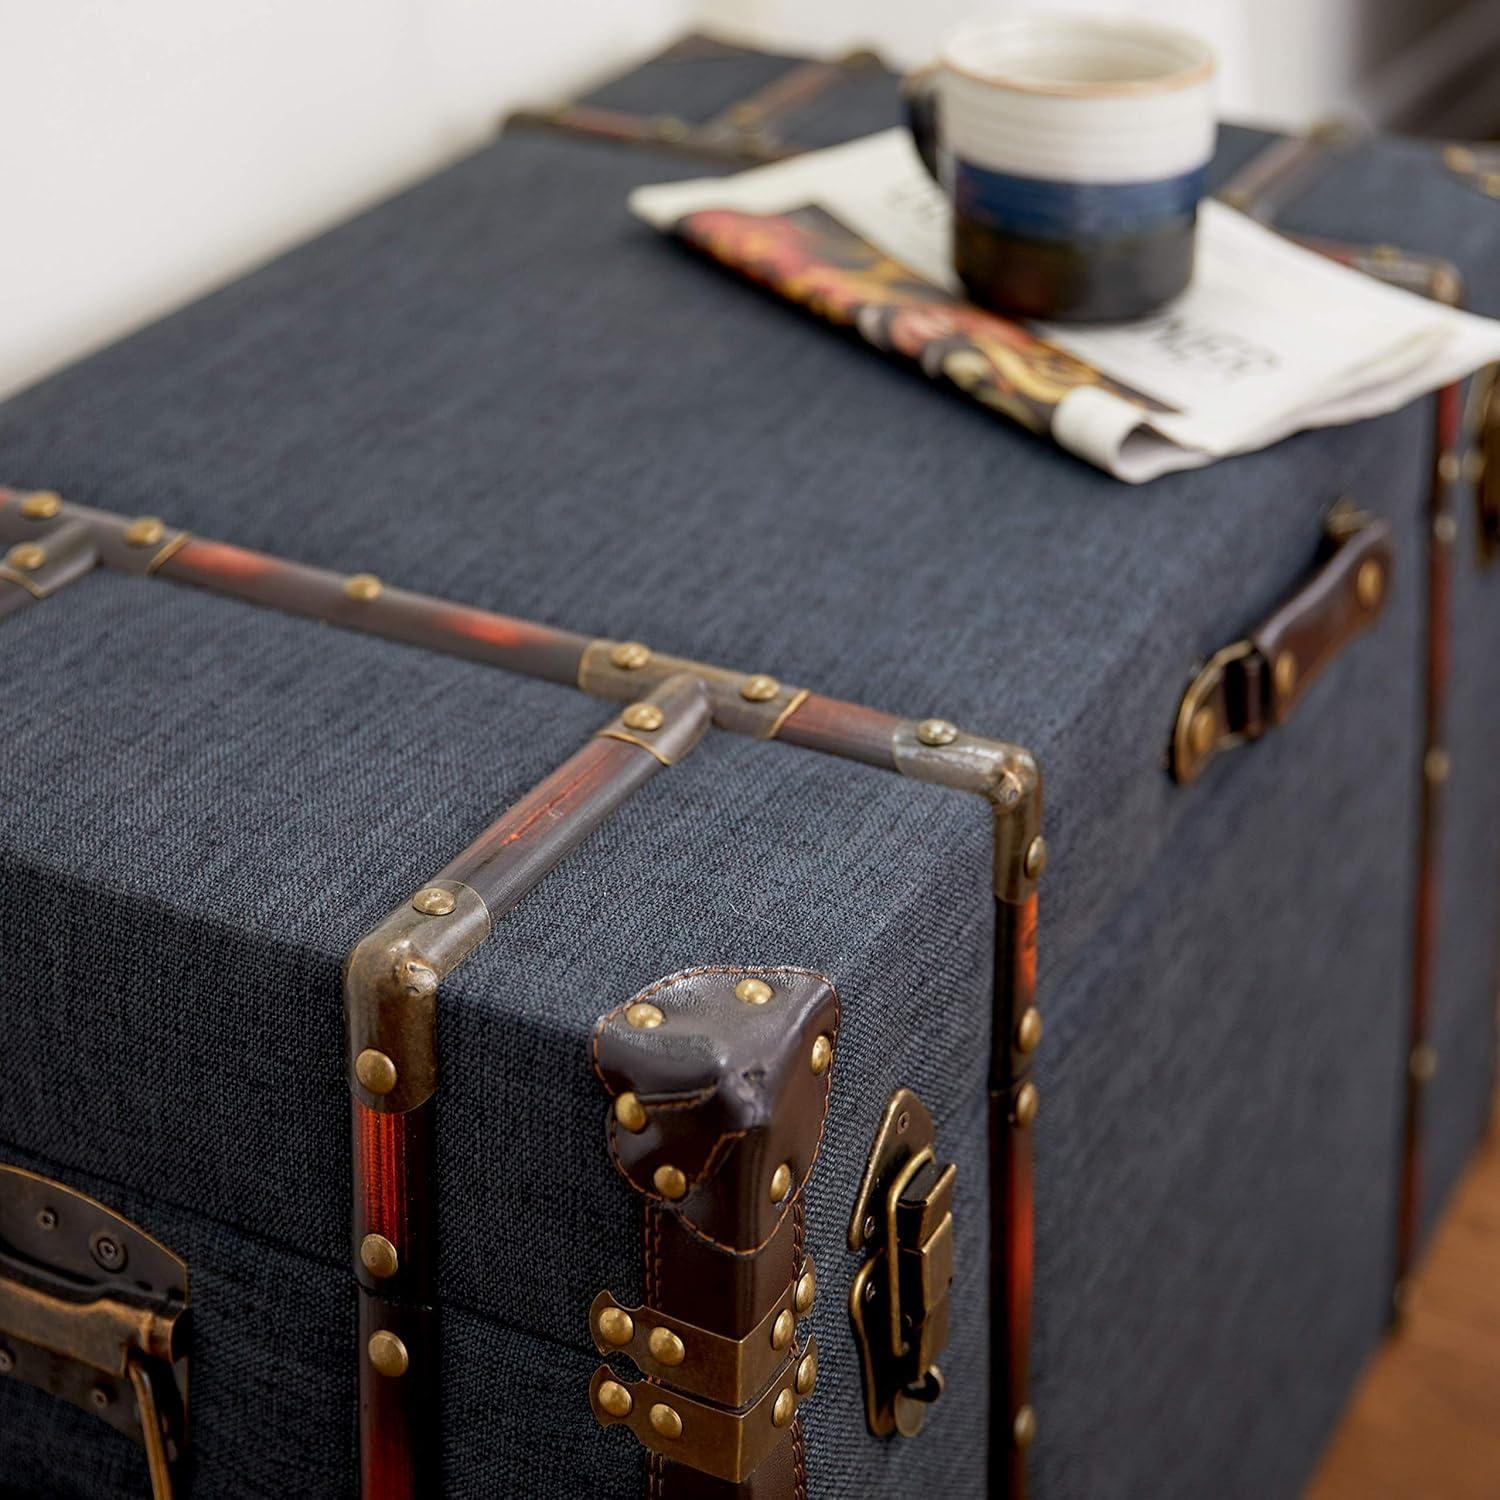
[{"x": 720, "y": 1082}]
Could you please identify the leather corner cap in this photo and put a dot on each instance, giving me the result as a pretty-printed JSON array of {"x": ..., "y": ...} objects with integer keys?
[{"x": 727, "y": 1072}]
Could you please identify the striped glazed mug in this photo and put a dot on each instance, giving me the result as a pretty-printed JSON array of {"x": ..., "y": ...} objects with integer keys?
[{"x": 1073, "y": 149}]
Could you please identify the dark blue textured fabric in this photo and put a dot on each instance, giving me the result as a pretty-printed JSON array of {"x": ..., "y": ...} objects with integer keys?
[{"x": 501, "y": 389}]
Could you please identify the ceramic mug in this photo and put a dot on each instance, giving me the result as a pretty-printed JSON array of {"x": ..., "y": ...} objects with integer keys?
[{"x": 1073, "y": 149}]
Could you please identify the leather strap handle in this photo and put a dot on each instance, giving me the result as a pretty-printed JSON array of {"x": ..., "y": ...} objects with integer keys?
[{"x": 1256, "y": 683}]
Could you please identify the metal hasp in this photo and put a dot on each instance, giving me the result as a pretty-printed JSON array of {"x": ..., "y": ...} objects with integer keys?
[
  {"x": 95, "y": 1311},
  {"x": 898, "y": 1302}
]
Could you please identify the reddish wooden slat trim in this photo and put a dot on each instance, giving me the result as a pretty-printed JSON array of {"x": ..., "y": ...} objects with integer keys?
[{"x": 843, "y": 729}]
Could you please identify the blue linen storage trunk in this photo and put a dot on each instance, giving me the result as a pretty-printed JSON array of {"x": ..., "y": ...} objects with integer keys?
[{"x": 499, "y": 389}]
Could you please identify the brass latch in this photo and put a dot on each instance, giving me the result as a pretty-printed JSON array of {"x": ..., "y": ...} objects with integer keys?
[
  {"x": 903, "y": 1220},
  {"x": 93, "y": 1310}
]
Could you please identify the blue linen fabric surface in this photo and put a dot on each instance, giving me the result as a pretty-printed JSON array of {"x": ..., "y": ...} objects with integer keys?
[{"x": 500, "y": 388}]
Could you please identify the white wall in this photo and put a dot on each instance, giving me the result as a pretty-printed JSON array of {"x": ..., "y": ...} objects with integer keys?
[{"x": 152, "y": 148}]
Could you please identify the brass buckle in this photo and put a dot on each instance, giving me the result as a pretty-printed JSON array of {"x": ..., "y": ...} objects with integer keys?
[
  {"x": 95, "y": 1311},
  {"x": 898, "y": 1303}
]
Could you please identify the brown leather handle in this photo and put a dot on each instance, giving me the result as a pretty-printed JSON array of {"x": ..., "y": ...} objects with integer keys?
[{"x": 1257, "y": 682}]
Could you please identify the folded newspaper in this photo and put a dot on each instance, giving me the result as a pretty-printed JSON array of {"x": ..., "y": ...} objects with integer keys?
[{"x": 1270, "y": 337}]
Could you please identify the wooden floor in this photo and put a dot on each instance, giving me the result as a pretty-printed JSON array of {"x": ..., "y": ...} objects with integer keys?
[{"x": 1425, "y": 1422}]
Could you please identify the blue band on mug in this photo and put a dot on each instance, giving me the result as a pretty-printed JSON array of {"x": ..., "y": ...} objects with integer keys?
[{"x": 1037, "y": 209}]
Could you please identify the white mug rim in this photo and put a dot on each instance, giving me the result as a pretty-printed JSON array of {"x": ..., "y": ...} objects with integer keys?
[{"x": 1198, "y": 57}]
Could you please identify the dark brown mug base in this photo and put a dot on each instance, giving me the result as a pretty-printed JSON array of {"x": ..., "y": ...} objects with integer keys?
[{"x": 1087, "y": 281}]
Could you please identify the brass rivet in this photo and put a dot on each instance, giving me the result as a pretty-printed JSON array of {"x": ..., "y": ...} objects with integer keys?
[
  {"x": 1458, "y": 158},
  {"x": 1450, "y": 468},
  {"x": 642, "y": 716},
  {"x": 1369, "y": 583},
  {"x": 630, "y": 655},
  {"x": 759, "y": 689},
  {"x": 1023, "y": 1429},
  {"x": 1490, "y": 182},
  {"x": 378, "y": 1256},
  {"x": 616, "y": 1326},
  {"x": 146, "y": 532},
  {"x": 644, "y": 1017},
  {"x": 666, "y": 1421},
  {"x": 7, "y": 1360},
  {"x": 782, "y": 1329},
  {"x": 807, "y": 1289},
  {"x": 434, "y": 901},
  {"x": 1423, "y": 1062},
  {"x": 786, "y": 1404},
  {"x": 631, "y": 1113},
  {"x": 26, "y": 558},
  {"x": 1203, "y": 730},
  {"x": 41, "y": 506},
  {"x": 1036, "y": 858},
  {"x": 807, "y": 1374},
  {"x": 937, "y": 732},
  {"x": 1026, "y": 1104},
  {"x": 753, "y": 991},
  {"x": 100, "y": 1398},
  {"x": 1029, "y": 1030},
  {"x": 822, "y": 1055},
  {"x": 375, "y": 1071},
  {"x": 781, "y": 1182},
  {"x": 1436, "y": 764},
  {"x": 614, "y": 1399},
  {"x": 363, "y": 586},
  {"x": 388, "y": 1354},
  {"x": 1284, "y": 674},
  {"x": 670, "y": 1182},
  {"x": 1445, "y": 529},
  {"x": 670, "y": 128},
  {"x": 666, "y": 1348},
  {"x": 1385, "y": 253}
]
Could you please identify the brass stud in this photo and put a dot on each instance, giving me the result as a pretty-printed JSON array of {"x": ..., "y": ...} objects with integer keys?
[
  {"x": 822, "y": 1055},
  {"x": 1436, "y": 765},
  {"x": 41, "y": 506},
  {"x": 1369, "y": 582},
  {"x": 630, "y": 656},
  {"x": 1027, "y": 1101},
  {"x": 388, "y": 1354},
  {"x": 937, "y": 732},
  {"x": 1036, "y": 858},
  {"x": 666, "y": 1348},
  {"x": 643, "y": 716},
  {"x": 616, "y": 1326},
  {"x": 378, "y": 1256},
  {"x": 807, "y": 1289},
  {"x": 146, "y": 532},
  {"x": 1445, "y": 529},
  {"x": 614, "y": 1399},
  {"x": 1490, "y": 182},
  {"x": 1284, "y": 673},
  {"x": 786, "y": 1404},
  {"x": 434, "y": 901},
  {"x": 644, "y": 1017},
  {"x": 1474, "y": 465},
  {"x": 364, "y": 587},
  {"x": 375, "y": 1071},
  {"x": 1384, "y": 253},
  {"x": 1203, "y": 730},
  {"x": 1450, "y": 468},
  {"x": 670, "y": 1182},
  {"x": 631, "y": 1113},
  {"x": 781, "y": 1182},
  {"x": 666, "y": 1421},
  {"x": 27, "y": 557},
  {"x": 1422, "y": 1064},
  {"x": 670, "y": 128},
  {"x": 1029, "y": 1030},
  {"x": 782, "y": 1329},
  {"x": 807, "y": 1374},
  {"x": 1458, "y": 158},
  {"x": 753, "y": 991},
  {"x": 759, "y": 689},
  {"x": 1023, "y": 1429}
]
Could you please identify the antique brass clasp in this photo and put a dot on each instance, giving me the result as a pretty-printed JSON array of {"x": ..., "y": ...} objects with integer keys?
[
  {"x": 93, "y": 1310},
  {"x": 898, "y": 1303}
]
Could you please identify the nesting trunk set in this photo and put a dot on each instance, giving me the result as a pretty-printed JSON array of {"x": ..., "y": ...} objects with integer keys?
[{"x": 478, "y": 1025}]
